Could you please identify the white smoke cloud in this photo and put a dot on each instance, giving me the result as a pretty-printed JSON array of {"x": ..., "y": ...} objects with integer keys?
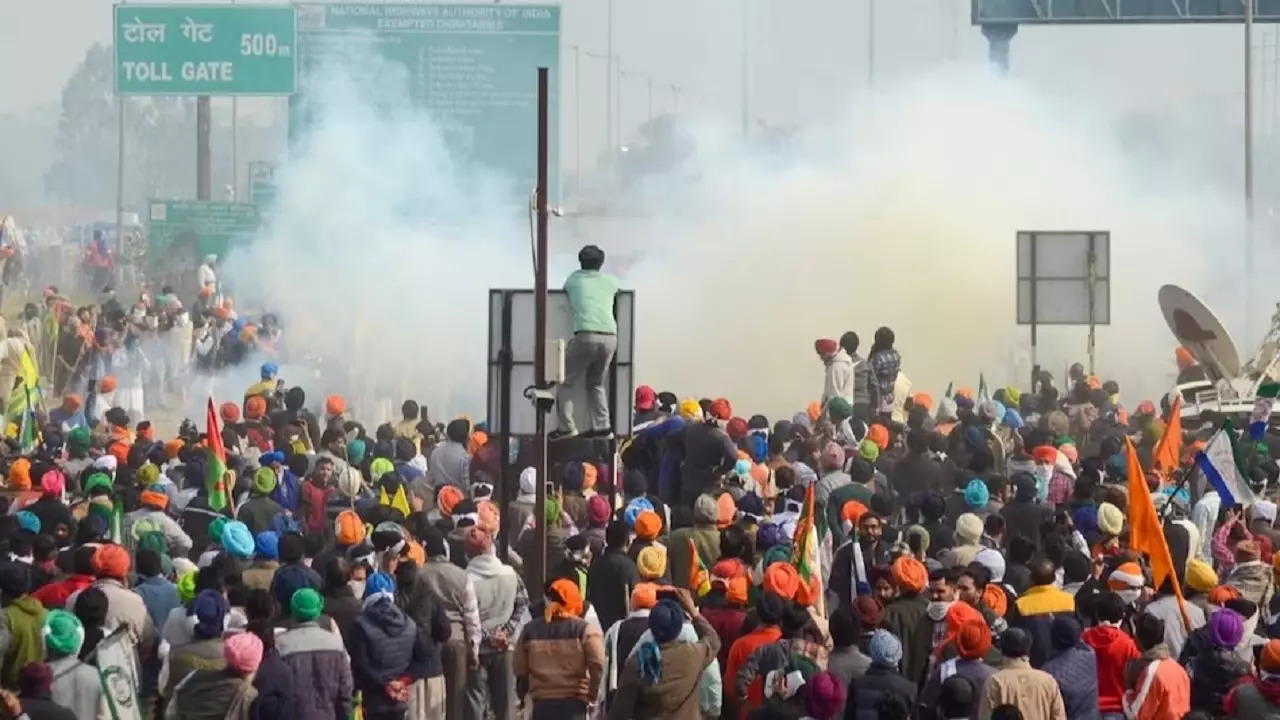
[{"x": 902, "y": 214}]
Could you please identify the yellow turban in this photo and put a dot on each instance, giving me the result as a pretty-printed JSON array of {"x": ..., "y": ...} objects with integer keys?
[
  {"x": 1201, "y": 577},
  {"x": 690, "y": 409},
  {"x": 652, "y": 562}
]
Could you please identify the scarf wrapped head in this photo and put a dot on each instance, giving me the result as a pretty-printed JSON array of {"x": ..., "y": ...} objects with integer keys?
[
  {"x": 1221, "y": 594},
  {"x": 647, "y": 526},
  {"x": 651, "y": 563},
  {"x": 909, "y": 575},
  {"x": 20, "y": 474},
  {"x": 782, "y": 579},
  {"x": 552, "y": 512},
  {"x": 564, "y": 600},
  {"x": 958, "y": 616},
  {"x": 1226, "y": 628},
  {"x": 78, "y": 439}
]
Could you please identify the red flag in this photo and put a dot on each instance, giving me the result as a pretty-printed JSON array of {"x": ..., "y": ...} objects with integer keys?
[{"x": 1146, "y": 535}]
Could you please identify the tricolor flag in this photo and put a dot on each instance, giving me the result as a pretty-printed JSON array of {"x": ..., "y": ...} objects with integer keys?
[
  {"x": 1218, "y": 463},
  {"x": 1267, "y": 393},
  {"x": 215, "y": 469},
  {"x": 805, "y": 549}
]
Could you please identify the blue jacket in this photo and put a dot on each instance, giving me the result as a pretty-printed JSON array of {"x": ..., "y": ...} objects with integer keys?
[
  {"x": 381, "y": 641},
  {"x": 1076, "y": 670},
  {"x": 286, "y": 492},
  {"x": 274, "y": 684},
  {"x": 319, "y": 673},
  {"x": 160, "y": 596}
]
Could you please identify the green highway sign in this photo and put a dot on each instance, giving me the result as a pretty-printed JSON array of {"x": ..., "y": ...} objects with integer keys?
[
  {"x": 205, "y": 49},
  {"x": 473, "y": 69},
  {"x": 197, "y": 228}
]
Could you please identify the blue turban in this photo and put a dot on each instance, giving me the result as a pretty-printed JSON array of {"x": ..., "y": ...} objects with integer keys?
[
  {"x": 751, "y": 504},
  {"x": 976, "y": 494},
  {"x": 1085, "y": 518},
  {"x": 1012, "y": 419},
  {"x": 742, "y": 468},
  {"x": 885, "y": 649},
  {"x": 288, "y": 580},
  {"x": 29, "y": 521},
  {"x": 759, "y": 448},
  {"x": 634, "y": 508},
  {"x": 666, "y": 620},
  {"x": 275, "y": 457},
  {"x": 267, "y": 545},
  {"x": 209, "y": 609},
  {"x": 768, "y": 535},
  {"x": 269, "y": 370},
  {"x": 975, "y": 437},
  {"x": 379, "y": 582},
  {"x": 237, "y": 540}
]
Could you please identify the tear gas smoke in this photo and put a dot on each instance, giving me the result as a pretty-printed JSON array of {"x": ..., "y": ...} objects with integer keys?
[{"x": 903, "y": 214}]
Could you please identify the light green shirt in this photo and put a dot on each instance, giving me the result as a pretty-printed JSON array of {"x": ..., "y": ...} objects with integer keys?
[{"x": 591, "y": 294}]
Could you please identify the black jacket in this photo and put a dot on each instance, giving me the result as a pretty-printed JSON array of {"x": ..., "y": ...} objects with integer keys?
[
  {"x": 274, "y": 683},
  {"x": 609, "y": 584},
  {"x": 427, "y": 612},
  {"x": 382, "y": 645},
  {"x": 343, "y": 606},
  {"x": 842, "y": 568},
  {"x": 1213, "y": 673},
  {"x": 866, "y": 692}
]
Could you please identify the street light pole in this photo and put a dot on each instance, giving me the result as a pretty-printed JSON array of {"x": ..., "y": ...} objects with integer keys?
[
  {"x": 871, "y": 43},
  {"x": 608, "y": 102}
]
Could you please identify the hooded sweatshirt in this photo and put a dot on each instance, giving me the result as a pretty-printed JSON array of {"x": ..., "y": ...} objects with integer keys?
[
  {"x": 24, "y": 619},
  {"x": 839, "y": 381},
  {"x": 704, "y": 535},
  {"x": 501, "y": 597},
  {"x": 1114, "y": 649}
]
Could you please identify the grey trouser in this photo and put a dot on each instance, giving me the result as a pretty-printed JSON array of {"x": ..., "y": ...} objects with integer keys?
[
  {"x": 586, "y": 360},
  {"x": 489, "y": 686},
  {"x": 454, "y": 658}
]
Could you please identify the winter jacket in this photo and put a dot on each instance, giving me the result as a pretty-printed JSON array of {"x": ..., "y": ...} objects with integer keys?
[
  {"x": 274, "y": 684},
  {"x": 675, "y": 694},
  {"x": 1076, "y": 672},
  {"x": 609, "y": 584},
  {"x": 866, "y": 692},
  {"x": 45, "y": 709},
  {"x": 1037, "y": 607},
  {"x": 156, "y": 520},
  {"x": 906, "y": 617},
  {"x": 159, "y": 596},
  {"x": 1114, "y": 649},
  {"x": 501, "y": 599},
  {"x": 1034, "y": 692},
  {"x": 743, "y": 649},
  {"x": 975, "y": 671},
  {"x": 321, "y": 676},
  {"x": 126, "y": 608},
  {"x": 78, "y": 686},
  {"x": 456, "y": 593},
  {"x": 838, "y": 380},
  {"x": 212, "y": 695},
  {"x": 381, "y": 641},
  {"x": 190, "y": 657},
  {"x": 259, "y": 574},
  {"x": 1254, "y": 581},
  {"x": 52, "y": 513},
  {"x": 1254, "y": 699},
  {"x": 54, "y": 595},
  {"x": 707, "y": 452},
  {"x": 1167, "y": 695},
  {"x": 728, "y": 623},
  {"x": 558, "y": 660},
  {"x": 342, "y": 606},
  {"x": 257, "y": 512},
  {"x": 24, "y": 622},
  {"x": 434, "y": 629},
  {"x": 1212, "y": 674},
  {"x": 706, "y": 542}
]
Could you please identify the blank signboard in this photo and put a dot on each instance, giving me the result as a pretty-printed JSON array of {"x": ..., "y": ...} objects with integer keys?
[{"x": 1053, "y": 275}]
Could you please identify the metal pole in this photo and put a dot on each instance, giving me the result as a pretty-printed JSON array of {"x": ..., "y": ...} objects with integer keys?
[
  {"x": 540, "y": 331},
  {"x": 119, "y": 279},
  {"x": 871, "y": 43},
  {"x": 1248, "y": 165},
  {"x": 577, "y": 121},
  {"x": 618, "y": 100},
  {"x": 610, "y": 140},
  {"x": 746, "y": 76},
  {"x": 235, "y": 145},
  {"x": 1092, "y": 276}
]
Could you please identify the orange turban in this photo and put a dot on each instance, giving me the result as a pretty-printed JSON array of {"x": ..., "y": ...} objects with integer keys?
[
  {"x": 20, "y": 474},
  {"x": 909, "y": 574},
  {"x": 478, "y": 440},
  {"x": 648, "y": 524},
  {"x": 349, "y": 528},
  {"x": 814, "y": 411},
  {"x": 644, "y": 596},
  {"x": 726, "y": 510},
  {"x": 879, "y": 435},
  {"x": 959, "y": 615},
  {"x": 72, "y": 401},
  {"x": 737, "y": 592},
  {"x": 1183, "y": 357},
  {"x": 922, "y": 399},
  {"x": 119, "y": 451},
  {"x": 173, "y": 447},
  {"x": 853, "y": 511},
  {"x": 152, "y": 498},
  {"x": 222, "y": 313},
  {"x": 564, "y": 600},
  {"x": 335, "y": 405},
  {"x": 206, "y": 291},
  {"x": 414, "y": 551},
  {"x": 447, "y": 498},
  {"x": 782, "y": 579},
  {"x": 1046, "y": 454},
  {"x": 255, "y": 407},
  {"x": 229, "y": 411},
  {"x": 107, "y": 384},
  {"x": 973, "y": 638},
  {"x": 489, "y": 516},
  {"x": 1270, "y": 659},
  {"x": 111, "y": 561},
  {"x": 994, "y": 598},
  {"x": 1221, "y": 594},
  {"x": 807, "y": 592}
]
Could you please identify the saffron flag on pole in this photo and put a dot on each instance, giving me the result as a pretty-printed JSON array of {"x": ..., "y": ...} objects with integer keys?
[
  {"x": 215, "y": 469},
  {"x": 1169, "y": 449},
  {"x": 805, "y": 549},
  {"x": 699, "y": 578},
  {"x": 1145, "y": 533},
  {"x": 1219, "y": 464}
]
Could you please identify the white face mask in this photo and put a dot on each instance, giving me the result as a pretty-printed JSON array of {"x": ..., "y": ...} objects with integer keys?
[
  {"x": 938, "y": 610},
  {"x": 357, "y": 587}
]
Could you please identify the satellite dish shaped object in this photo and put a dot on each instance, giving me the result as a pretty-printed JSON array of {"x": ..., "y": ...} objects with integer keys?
[{"x": 1199, "y": 331}]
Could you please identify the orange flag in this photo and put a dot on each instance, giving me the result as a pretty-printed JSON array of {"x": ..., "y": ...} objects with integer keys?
[
  {"x": 1145, "y": 533},
  {"x": 699, "y": 578},
  {"x": 1168, "y": 451}
]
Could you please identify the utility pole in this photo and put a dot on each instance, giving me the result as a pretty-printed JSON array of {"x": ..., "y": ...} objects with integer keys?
[
  {"x": 120, "y": 102},
  {"x": 610, "y": 140},
  {"x": 540, "y": 331},
  {"x": 1248, "y": 166},
  {"x": 235, "y": 145}
]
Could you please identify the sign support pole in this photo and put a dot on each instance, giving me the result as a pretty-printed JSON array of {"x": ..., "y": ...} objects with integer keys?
[
  {"x": 204, "y": 155},
  {"x": 1033, "y": 243},
  {"x": 540, "y": 328},
  {"x": 1092, "y": 274}
]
